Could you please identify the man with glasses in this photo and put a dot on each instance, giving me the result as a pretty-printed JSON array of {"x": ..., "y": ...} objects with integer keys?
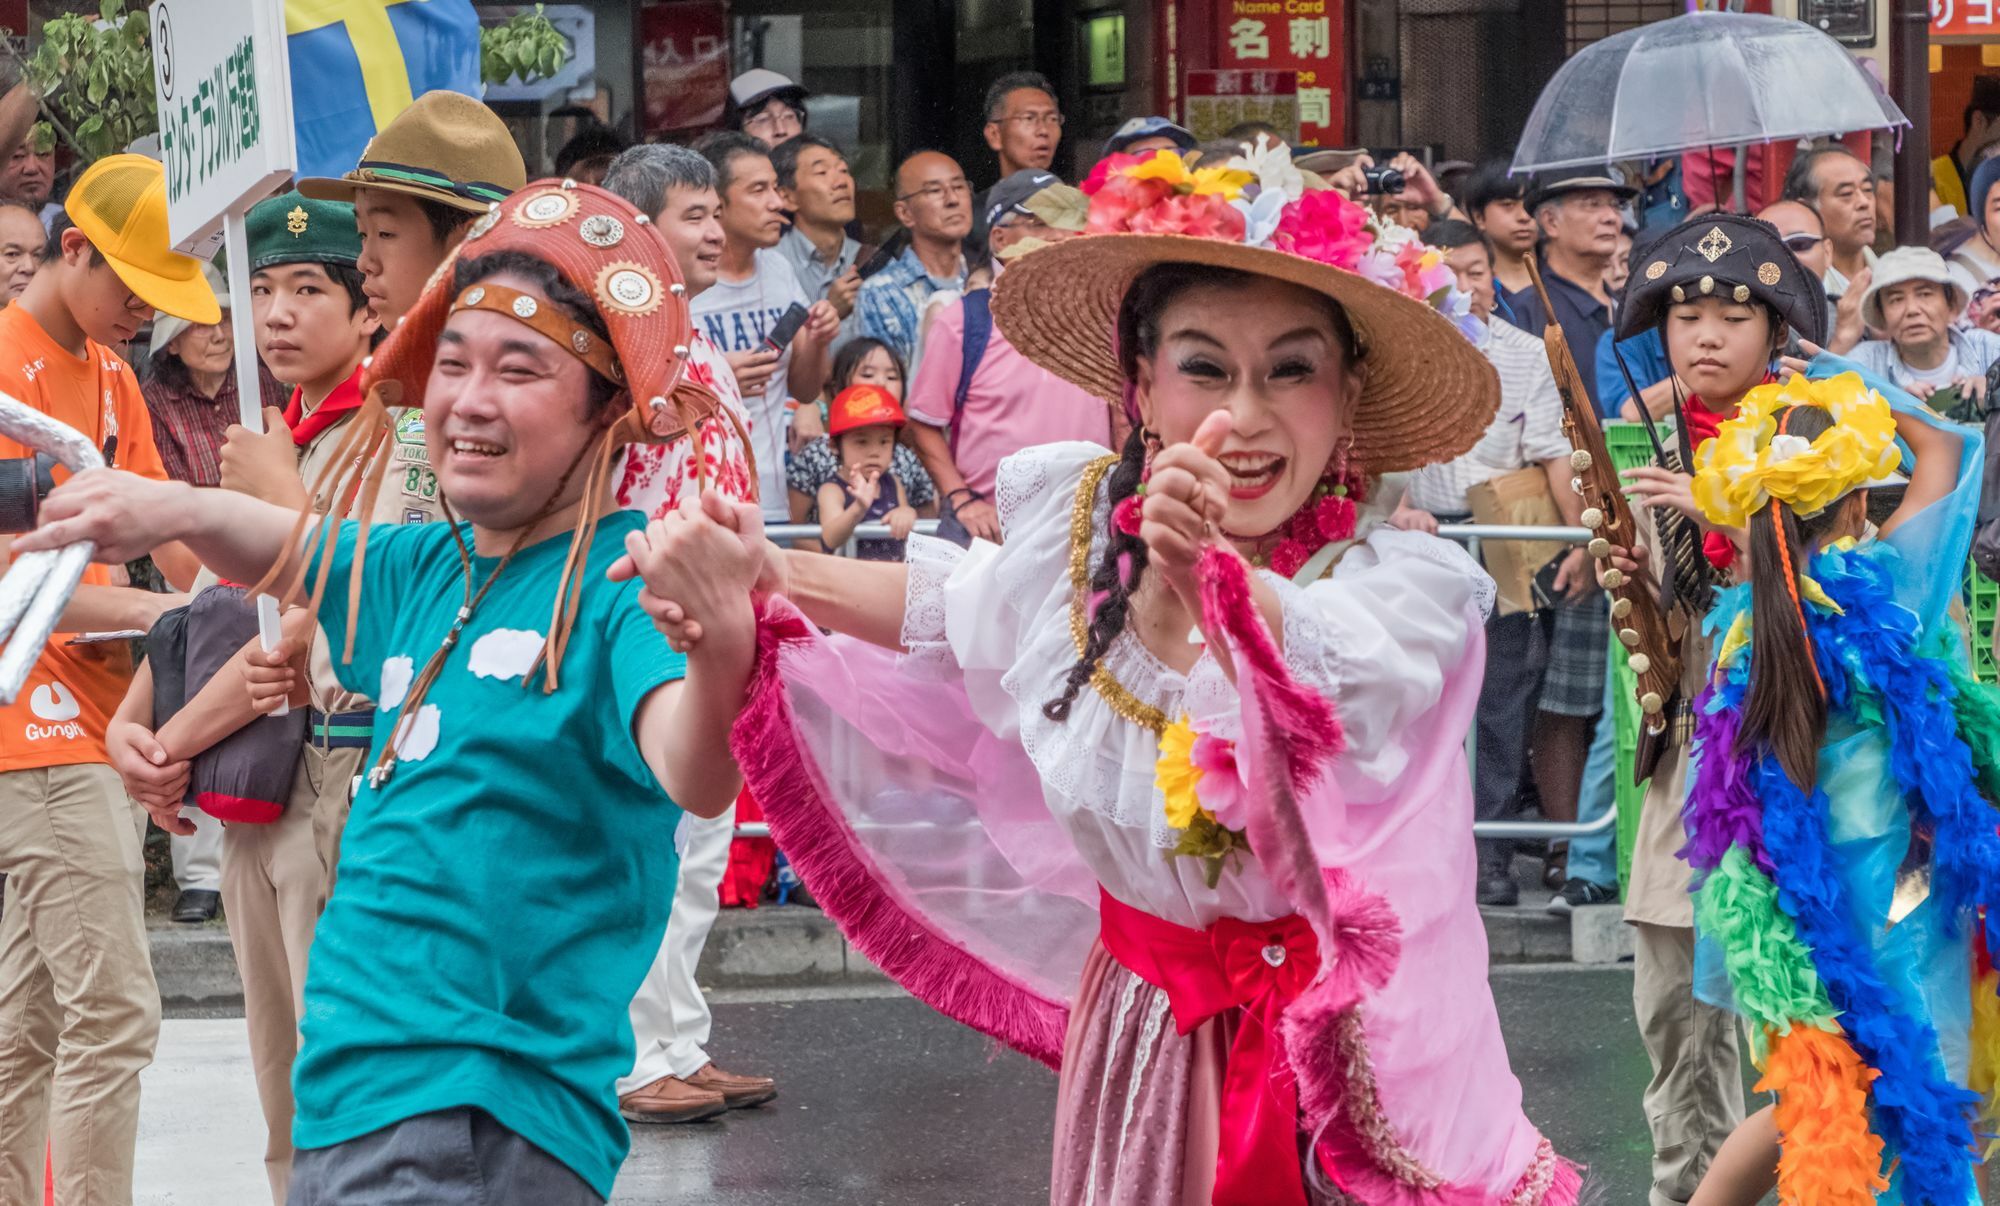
[
  {"x": 934, "y": 203},
  {"x": 1023, "y": 127},
  {"x": 767, "y": 106},
  {"x": 979, "y": 400}
]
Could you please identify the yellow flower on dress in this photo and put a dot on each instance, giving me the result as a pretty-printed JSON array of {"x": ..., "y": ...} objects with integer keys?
[
  {"x": 1177, "y": 774},
  {"x": 1169, "y": 168},
  {"x": 1749, "y": 462}
]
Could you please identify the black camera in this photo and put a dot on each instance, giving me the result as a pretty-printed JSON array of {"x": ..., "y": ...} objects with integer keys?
[
  {"x": 24, "y": 483},
  {"x": 1382, "y": 180}
]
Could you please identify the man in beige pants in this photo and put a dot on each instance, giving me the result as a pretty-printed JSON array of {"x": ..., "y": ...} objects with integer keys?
[{"x": 79, "y": 1011}]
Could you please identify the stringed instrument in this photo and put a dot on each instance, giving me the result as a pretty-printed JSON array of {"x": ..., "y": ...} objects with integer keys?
[{"x": 1649, "y": 629}]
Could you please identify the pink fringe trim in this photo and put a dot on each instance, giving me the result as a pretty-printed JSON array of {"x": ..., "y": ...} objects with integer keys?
[
  {"x": 814, "y": 835},
  {"x": 1360, "y": 934}
]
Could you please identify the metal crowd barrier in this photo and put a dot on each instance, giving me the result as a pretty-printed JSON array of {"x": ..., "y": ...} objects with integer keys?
[{"x": 1469, "y": 534}]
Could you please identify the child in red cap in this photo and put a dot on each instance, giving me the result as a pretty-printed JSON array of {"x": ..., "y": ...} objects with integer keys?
[{"x": 862, "y": 425}]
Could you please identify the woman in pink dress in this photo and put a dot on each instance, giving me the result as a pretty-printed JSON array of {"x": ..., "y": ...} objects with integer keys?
[{"x": 1167, "y": 789}]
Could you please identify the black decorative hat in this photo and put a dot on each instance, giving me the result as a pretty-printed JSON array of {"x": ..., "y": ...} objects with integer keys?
[{"x": 1728, "y": 256}]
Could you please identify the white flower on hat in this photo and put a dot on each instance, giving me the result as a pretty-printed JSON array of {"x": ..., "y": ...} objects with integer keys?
[
  {"x": 1271, "y": 163},
  {"x": 1261, "y": 217}
]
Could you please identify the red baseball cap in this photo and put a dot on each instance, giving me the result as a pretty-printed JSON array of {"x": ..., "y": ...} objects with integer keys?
[{"x": 863, "y": 406}]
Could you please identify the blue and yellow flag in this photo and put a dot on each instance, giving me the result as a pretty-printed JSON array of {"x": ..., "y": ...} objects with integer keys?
[{"x": 356, "y": 64}]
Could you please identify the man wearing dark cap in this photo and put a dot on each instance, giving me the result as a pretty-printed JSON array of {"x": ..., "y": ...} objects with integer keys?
[
  {"x": 975, "y": 400},
  {"x": 1579, "y": 214},
  {"x": 767, "y": 106},
  {"x": 1145, "y": 135},
  {"x": 1736, "y": 294}
]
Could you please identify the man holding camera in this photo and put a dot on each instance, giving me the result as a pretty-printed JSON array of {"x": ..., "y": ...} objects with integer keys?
[{"x": 79, "y": 1010}]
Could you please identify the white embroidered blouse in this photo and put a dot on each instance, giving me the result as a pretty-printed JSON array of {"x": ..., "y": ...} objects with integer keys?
[{"x": 1377, "y": 635}]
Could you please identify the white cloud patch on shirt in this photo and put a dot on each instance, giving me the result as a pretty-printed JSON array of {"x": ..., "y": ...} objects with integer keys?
[
  {"x": 396, "y": 675},
  {"x": 505, "y": 653},
  {"x": 416, "y": 740}
]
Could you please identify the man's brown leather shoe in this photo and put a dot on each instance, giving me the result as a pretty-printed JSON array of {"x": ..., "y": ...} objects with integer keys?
[
  {"x": 671, "y": 1099},
  {"x": 738, "y": 1091}
]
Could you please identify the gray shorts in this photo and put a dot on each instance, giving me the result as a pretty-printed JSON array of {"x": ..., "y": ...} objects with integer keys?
[{"x": 456, "y": 1157}]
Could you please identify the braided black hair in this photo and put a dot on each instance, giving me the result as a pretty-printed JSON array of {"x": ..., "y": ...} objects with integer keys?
[{"x": 1126, "y": 552}]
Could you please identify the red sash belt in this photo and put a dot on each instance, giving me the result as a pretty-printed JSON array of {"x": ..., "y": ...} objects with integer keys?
[{"x": 1257, "y": 967}]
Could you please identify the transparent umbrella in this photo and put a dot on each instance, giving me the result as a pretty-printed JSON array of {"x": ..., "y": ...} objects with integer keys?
[{"x": 1697, "y": 81}]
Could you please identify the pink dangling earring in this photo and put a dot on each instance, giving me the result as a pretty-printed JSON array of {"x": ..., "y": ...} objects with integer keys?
[
  {"x": 1339, "y": 492},
  {"x": 1125, "y": 516}
]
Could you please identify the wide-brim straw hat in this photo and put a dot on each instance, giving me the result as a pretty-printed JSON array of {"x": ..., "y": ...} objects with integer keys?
[{"x": 1427, "y": 394}]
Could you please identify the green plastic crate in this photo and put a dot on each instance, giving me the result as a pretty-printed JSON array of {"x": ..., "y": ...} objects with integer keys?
[{"x": 1629, "y": 446}]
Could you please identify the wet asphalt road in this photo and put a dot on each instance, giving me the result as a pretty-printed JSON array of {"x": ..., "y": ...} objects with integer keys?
[{"x": 883, "y": 1103}]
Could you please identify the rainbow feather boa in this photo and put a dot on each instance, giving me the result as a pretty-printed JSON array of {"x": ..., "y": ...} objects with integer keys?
[{"x": 1854, "y": 1065}]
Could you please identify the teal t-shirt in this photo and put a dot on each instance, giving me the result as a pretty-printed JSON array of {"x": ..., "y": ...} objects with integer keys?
[{"x": 502, "y": 895}]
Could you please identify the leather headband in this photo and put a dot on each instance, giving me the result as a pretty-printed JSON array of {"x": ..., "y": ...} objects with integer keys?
[{"x": 545, "y": 319}]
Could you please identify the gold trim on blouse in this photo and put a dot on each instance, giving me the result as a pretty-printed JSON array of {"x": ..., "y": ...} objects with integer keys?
[{"x": 1121, "y": 701}]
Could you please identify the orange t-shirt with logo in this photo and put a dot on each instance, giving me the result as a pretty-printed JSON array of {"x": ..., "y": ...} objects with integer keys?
[{"x": 61, "y": 715}]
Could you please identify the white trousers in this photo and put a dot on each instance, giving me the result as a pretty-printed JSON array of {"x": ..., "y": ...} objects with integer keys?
[
  {"x": 670, "y": 1018},
  {"x": 198, "y": 859}
]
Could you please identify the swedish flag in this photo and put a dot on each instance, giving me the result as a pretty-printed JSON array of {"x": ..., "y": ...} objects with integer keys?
[{"x": 356, "y": 64}]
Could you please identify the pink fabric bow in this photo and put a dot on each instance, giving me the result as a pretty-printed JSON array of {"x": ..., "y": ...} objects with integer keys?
[{"x": 1258, "y": 967}]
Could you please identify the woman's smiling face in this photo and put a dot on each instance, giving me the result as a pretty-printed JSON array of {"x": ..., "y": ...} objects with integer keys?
[{"x": 1278, "y": 359}]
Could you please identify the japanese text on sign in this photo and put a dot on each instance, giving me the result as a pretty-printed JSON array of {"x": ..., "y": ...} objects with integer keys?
[
  {"x": 1218, "y": 100},
  {"x": 213, "y": 124},
  {"x": 1962, "y": 17},
  {"x": 1302, "y": 36}
]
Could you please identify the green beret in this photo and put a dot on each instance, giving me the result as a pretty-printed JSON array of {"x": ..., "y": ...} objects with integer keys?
[{"x": 292, "y": 229}]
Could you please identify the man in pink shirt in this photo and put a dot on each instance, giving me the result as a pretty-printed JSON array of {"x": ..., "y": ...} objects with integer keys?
[{"x": 964, "y": 423}]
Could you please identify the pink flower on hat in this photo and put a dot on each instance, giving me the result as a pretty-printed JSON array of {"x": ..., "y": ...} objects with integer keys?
[
  {"x": 1120, "y": 199},
  {"x": 1324, "y": 226},
  {"x": 1202, "y": 215}
]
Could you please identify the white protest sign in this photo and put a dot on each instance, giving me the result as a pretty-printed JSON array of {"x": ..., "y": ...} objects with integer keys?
[{"x": 222, "y": 74}]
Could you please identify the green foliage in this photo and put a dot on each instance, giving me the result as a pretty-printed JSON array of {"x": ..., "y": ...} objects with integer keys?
[
  {"x": 96, "y": 79},
  {"x": 527, "y": 48}
]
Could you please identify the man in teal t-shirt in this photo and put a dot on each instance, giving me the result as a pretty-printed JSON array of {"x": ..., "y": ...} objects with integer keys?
[
  {"x": 511, "y": 990},
  {"x": 507, "y": 866}
]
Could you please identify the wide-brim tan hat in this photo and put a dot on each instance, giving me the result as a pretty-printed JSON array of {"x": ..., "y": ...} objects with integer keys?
[
  {"x": 446, "y": 147},
  {"x": 1428, "y": 392}
]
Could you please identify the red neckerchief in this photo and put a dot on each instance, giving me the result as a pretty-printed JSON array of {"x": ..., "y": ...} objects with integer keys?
[
  {"x": 345, "y": 397},
  {"x": 1704, "y": 425}
]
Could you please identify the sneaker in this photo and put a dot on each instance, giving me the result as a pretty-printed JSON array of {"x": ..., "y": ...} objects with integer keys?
[{"x": 1579, "y": 892}]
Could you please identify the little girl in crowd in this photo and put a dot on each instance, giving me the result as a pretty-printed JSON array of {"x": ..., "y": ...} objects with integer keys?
[
  {"x": 814, "y": 462},
  {"x": 865, "y": 489}
]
